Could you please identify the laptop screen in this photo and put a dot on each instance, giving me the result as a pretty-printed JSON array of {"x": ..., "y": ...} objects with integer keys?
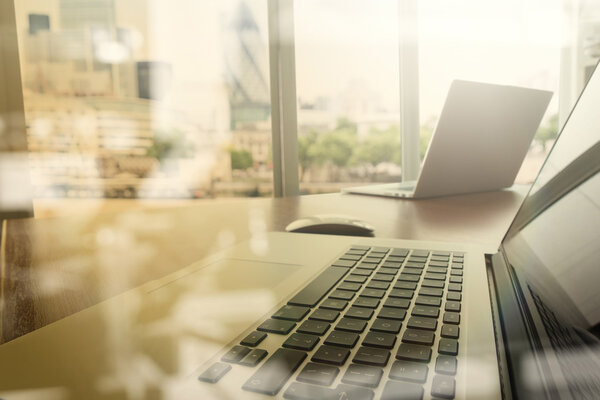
[{"x": 554, "y": 241}]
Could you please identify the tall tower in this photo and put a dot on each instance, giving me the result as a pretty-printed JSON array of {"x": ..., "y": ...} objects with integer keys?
[{"x": 246, "y": 64}]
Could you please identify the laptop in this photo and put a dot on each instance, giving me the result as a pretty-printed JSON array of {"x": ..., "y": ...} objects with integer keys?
[
  {"x": 480, "y": 141},
  {"x": 301, "y": 316}
]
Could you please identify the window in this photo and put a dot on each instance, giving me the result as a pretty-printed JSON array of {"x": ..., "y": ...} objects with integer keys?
[{"x": 147, "y": 100}]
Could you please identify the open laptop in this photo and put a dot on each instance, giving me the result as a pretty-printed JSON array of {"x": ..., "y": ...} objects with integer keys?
[
  {"x": 300, "y": 316},
  {"x": 480, "y": 141}
]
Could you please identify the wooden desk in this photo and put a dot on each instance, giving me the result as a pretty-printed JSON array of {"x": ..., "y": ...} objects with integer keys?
[{"x": 54, "y": 267}]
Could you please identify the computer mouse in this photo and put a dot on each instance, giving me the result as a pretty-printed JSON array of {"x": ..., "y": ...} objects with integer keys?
[{"x": 330, "y": 224}]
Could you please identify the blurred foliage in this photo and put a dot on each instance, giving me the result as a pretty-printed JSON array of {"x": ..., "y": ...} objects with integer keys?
[
  {"x": 241, "y": 159},
  {"x": 547, "y": 132},
  {"x": 379, "y": 146},
  {"x": 170, "y": 144}
]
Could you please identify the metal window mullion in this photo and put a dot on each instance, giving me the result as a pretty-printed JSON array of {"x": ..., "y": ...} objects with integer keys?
[
  {"x": 409, "y": 88},
  {"x": 282, "y": 66}
]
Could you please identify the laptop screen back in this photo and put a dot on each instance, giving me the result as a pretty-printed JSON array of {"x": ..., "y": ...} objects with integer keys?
[{"x": 554, "y": 241}]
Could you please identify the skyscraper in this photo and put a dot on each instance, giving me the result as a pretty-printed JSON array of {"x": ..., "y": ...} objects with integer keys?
[{"x": 246, "y": 65}]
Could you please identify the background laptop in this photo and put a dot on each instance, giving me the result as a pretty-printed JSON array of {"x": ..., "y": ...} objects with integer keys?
[
  {"x": 480, "y": 141},
  {"x": 454, "y": 321}
]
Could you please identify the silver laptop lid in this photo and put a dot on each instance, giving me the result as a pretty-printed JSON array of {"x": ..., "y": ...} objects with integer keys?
[{"x": 481, "y": 138}]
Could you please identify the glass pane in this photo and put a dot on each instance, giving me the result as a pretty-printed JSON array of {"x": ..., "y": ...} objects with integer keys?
[
  {"x": 146, "y": 99},
  {"x": 347, "y": 88}
]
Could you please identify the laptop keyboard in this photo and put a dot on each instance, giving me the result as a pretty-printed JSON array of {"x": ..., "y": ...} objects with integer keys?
[{"x": 378, "y": 320}]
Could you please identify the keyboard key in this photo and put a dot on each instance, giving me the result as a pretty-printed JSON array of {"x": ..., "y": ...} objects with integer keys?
[
  {"x": 375, "y": 293},
  {"x": 413, "y": 352},
  {"x": 356, "y": 247},
  {"x": 429, "y": 324},
  {"x": 365, "y": 265},
  {"x": 392, "y": 313},
  {"x": 409, "y": 278},
  {"x": 443, "y": 386},
  {"x": 253, "y": 339},
  {"x": 433, "y": 283},
  {"x": 409, "y": 371},
  {"x": 359, "y": 312},
  {"x": 456, "y": 279},
  {"x": 349, "y": 286},
  {"x": 314, "y": 292},
  {"x": 274, "y": 373},
  {"x": 351, "y": 325},
  {"x": 318, "y": 374},
  {"x": 379, "y": 339},
  {"x": 368, "y": 302},
  {"x": 425, "y": 291},
  {"x": 342, "y": 339},
  {"x": 425, "y": 311},
  {"x": 378, "y": 285},
  {"x": 445, "y": 365},
  {"x": 399, "y": 252},
  {"x": 356, "y": 278},
  {"x": 455, "y": 296},
  {"x": 301, "y": 341},
  {"x": 452, "y": 306},
  {"x": 392, "y": 264},
  {"x": 331, "y": 355},
  {"x": 434, "y": 276},
  {"x": 352, "y": 392},
  {"x": 450, "y": 331},
  {"x": 363, "y": 375},
  {"x": 322, "y": 314},
  {"x": 405, "y": 285},
  {"x": 215, "y": 372},
  {"x": 362, "y": 272},
  {"x": 291, "y": 313},
  {"x": 412, "y": 271},
  {"x": 394, "y": 390},
  {"x": 437, "y": 270},
  {"x": 235, "y": 354},
  {"x": 451, "y": 318},
  {"x": 455, "y": 287},
  {"x": 371, "y": 356},
  {"x": 397, "y": 303},
  {"x": 386, "y": 325},
  {"x": 344, "y": 263},
  {"x": 401, "y": 293},
  {"x": 373, "y": 260},
  {"x": 417, "y": 336},
  {"x": 457, "y": 266},
  {"x": 456, "y": 272},
  {"x": 428, "y": 301},
  {"x": 420, "y": 253},
  {"x": 313, "y": 327},
  {"x": 351, "y": 256},
  {"x": 382, "y": 277},
  {"x": 416, "y": 263},
  {"x": 383, "y": 250},
  {"x": 387, "y": 271},
  {"x": 253, "y": 358},
  {"x": 341, "y": 295},
  {"x": 334, "y": 304},
  {"x": 448, "y": 347},
  {"x": 277, "y": 326},
  {"x": 438, "y": 263}
]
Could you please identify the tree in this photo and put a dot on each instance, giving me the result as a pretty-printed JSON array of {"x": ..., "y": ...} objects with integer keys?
[
  {"x": 241, "y": 159},
  {"x": 548, "y": 131},
  {"x": 379, "y": 146},
  {"x": 170, "y": 144}
]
